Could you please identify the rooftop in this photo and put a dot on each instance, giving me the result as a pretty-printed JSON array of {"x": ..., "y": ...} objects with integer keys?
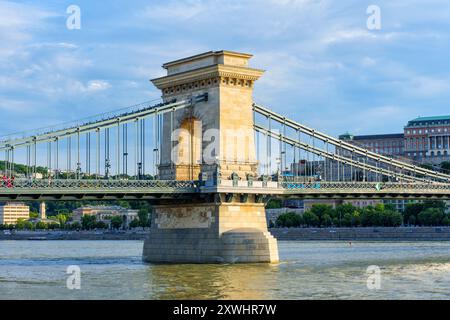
[
  {"x": 425, "y": 121},
  {"x": 373, "y": 136},
  {"x": 435, "y": 118}
]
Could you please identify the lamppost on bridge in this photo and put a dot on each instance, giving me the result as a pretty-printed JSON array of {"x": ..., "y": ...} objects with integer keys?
[{"x": 279, "y": 168}]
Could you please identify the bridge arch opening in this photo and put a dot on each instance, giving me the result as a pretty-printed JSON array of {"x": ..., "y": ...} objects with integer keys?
[{"x": 187, "y": 153}]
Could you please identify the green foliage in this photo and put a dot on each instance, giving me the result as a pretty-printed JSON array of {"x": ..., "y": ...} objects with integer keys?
[
  {"x": 62, "y": 219},
  {"x": 41, "y": 225},
  {"x": 445, "y": 166},
  {"x": 116, "y": 222},
  {"x": 390, "y": 218},
  {"x": 22, "y": 169},
  {"x": 427, "y": 213},
  {"x": 134, "y": 223},
  {"x": 53, "y": 225},
  {"x": 327, "y": 221},
  {"x": 75, "y": 226},
  {"x": 23, "y": 224},
  {"x": 88, "y": 222},
  {"x": 446, "y": 221},
  {"x": 33, "y": 214},
  {"x": 347, "y": 220},
  {"x": 427, "y": 166},
  {"x": 431, "y": 217},
  {"x": 321, "y": 209},
  {"x": 274, "y": 204},
  {"x": 289, "y": 219},
  {"x": 310, "y": 219},
  {"x": 101, "y": 225},
  {"x": 412, "y": 210},
  {"x": 143, "y": 218}
]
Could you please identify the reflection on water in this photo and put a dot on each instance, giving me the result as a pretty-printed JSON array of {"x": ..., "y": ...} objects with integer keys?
[
  {"x": 309, "y": 270},
  {"x": 212, "y": 281}
]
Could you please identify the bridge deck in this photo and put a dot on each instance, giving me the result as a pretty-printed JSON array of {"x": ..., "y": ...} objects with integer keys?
[{"x": 166, "y": 189}]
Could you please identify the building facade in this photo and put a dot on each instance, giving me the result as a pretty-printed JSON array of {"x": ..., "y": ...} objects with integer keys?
[
  {"x": 10, "y": 212},
  {"x": 427, "y": 139},
  {"x": 385, "y": 144},
  {"x": 104, "y": 213}
]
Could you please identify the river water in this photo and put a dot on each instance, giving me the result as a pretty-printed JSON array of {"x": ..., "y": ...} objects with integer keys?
[{"x": 308, "y": 270}]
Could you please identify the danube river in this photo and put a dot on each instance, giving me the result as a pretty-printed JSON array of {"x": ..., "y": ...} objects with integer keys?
[{"x": 308, "y": 270}]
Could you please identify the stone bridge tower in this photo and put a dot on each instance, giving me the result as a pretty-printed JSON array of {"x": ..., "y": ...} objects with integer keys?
[
  {"x": 214, "y": 226},
  {"x": 216, "y": 132}
]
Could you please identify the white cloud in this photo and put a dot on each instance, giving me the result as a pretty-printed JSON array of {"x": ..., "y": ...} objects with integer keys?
[
  {"x": 17, "y": 21},
  {"x": 348, "y": 35},
  {"x": 368, "y": 62},
  {"x": 178, "y": 10},
  {"x": 97, "y": 85},
  {"x": 428, "y": 86}
]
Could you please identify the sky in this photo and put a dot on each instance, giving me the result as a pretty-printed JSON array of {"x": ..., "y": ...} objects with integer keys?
[{"x": 324, "y": 67}]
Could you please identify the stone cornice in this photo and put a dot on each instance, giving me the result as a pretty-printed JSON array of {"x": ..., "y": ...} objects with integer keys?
[
  {"x": 215, "y": 71},
  {"x": 207, "y": 54}
]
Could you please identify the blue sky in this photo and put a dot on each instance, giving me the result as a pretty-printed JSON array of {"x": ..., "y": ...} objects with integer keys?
[{"x": 324, "y": 67}]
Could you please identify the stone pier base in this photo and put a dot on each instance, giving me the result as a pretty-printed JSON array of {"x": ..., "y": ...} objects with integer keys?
[{"x": 210, "y": 233}]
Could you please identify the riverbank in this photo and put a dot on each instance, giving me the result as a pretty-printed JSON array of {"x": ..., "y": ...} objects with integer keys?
[
  {"x": 364, "y": 234},
  {"x": 75, "y": 235},
  {"x": 282, "y": 234}
]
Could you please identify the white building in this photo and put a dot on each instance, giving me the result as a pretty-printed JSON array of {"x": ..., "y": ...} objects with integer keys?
[
  {"x": 10, "y": 212},
  {"x": 104, "y": 213}
]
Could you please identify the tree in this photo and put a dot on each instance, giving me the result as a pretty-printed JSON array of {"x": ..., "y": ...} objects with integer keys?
[
  {"x": 41, "y": 225},
  {"x": 20, "y": 224},
  {"x": 143, "y": 217},
  {"x": 427, "y": 166},
  {"x": 431, "y": 217},
  {"x": 390, "y": 218},
  {"x": 445, "y": 166},
  {"x": 412, "y": 210},
  {"x": 446, "y": 221},
  {"x": 321, "y": 209},
  {"x": 116, "y": 222},
  {"x": 134, "y": 223},
  {"x": 62, "y": 219},
  {"x": 310, "y": 219},
  {"x": 274, "y": 204},
  {"x": 53, "y": 225},
  {"x": 101, "y": 225},
  {"x": 75, "y": 226},
  {"x": 88, "y": 222},
  {"x": 434, "y": 204},
  {"x": 327, "y": 221},
  {"x": 341, "y": 210},
  {"x": 412, "y": 220},
  {"x": 370, "y": 217},
  {"x": 347, "y": 220},
  {"x": 356, "y": 218},
  {"x": 33, "y": 214},
  {"x": 289, "y": 219}
]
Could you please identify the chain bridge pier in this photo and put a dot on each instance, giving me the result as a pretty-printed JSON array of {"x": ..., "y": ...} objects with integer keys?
[{"x": 208, "y": 158}]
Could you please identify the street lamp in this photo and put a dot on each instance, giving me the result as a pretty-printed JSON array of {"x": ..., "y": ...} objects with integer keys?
[{"x": 278, "y": 161}]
